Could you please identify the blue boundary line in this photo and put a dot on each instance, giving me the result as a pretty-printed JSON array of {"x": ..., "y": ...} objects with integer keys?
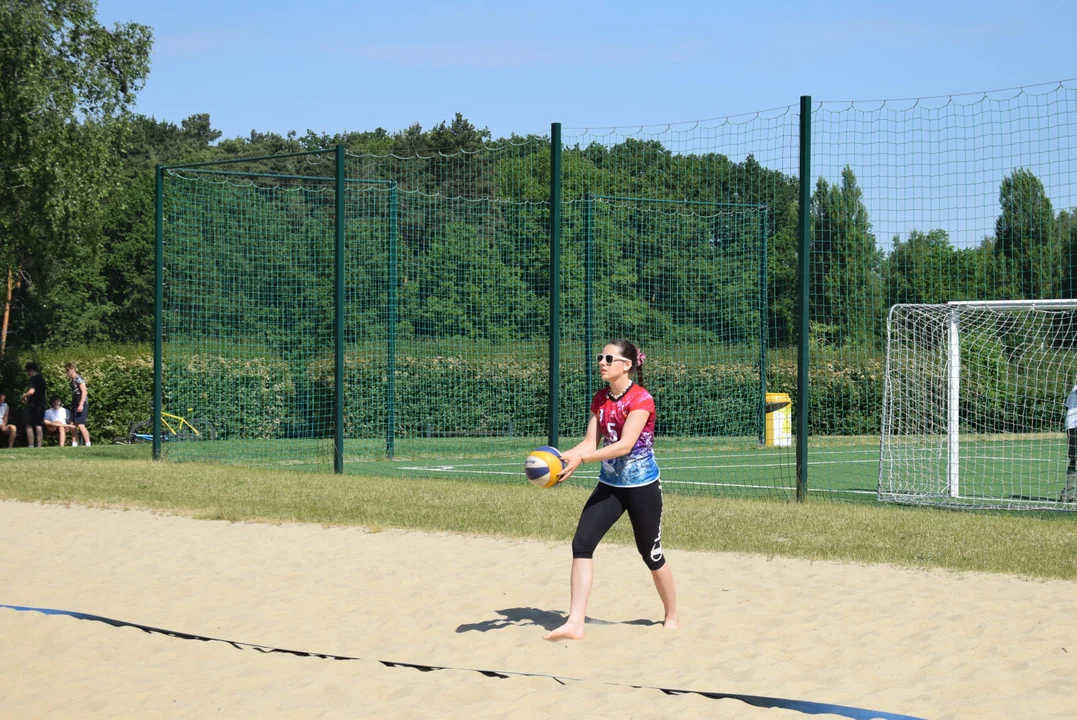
[{"x": 804, "y": 706}]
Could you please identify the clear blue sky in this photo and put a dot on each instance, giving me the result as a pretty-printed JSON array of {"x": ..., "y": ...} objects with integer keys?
[{"x": 333, "y": 65}]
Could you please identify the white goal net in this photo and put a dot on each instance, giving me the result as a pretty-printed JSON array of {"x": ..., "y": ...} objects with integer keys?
[{"x": 974, "y": 406}]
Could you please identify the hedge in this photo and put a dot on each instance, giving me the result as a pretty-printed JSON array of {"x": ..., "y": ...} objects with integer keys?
[
  {"x": 495, "y": 394},
  {"x": 119, "y": 384},
  {"x": 492, "y": 393},
  {"x": 242, "y": 397}
]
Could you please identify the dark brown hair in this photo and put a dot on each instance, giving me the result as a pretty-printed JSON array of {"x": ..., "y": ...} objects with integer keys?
[{"x": 631, "y": 352}]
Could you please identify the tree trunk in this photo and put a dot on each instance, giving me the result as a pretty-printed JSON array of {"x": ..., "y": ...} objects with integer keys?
[{"x": 7, "y": 313}]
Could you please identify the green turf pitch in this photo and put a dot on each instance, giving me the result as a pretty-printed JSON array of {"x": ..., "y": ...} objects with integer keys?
[
  {"x": 993, "y": 471},
  {"x": 706, "y": 466},
  {"x": 999, "y": 470}
]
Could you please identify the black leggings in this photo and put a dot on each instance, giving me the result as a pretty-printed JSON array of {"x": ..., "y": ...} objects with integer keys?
[{"x": 606, "y": 505}]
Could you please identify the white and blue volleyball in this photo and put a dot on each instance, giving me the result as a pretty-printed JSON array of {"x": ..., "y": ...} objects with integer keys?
[{"x": 543, "y": 466}]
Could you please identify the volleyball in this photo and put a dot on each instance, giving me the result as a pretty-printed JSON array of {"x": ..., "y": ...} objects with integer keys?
[{"x": 543, "y": 466}]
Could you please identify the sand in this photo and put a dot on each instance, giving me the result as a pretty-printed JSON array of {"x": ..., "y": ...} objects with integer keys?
[{"x": 934, "y": 644}]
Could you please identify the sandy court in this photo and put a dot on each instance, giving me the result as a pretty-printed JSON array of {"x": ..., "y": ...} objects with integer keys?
[{"x": 928, "y": 643}]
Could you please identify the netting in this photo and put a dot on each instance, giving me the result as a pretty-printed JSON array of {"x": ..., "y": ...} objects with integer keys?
[
  {"x": 926, "y": 201},
  {"x": 975, "y": 404},
  {"x": 677, "y": 237},
  {"x": 445, "y": 308},
  {"x": 465, "y": 265},
  {"x": 247, "y": 317},
  {"x": 686, "y": 280},
  {"x": 682, "y": 238},
  {"x": 371, "y": 230}
]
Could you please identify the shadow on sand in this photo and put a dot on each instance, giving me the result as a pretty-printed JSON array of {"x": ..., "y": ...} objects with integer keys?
[{"x": 528, "y": 616}]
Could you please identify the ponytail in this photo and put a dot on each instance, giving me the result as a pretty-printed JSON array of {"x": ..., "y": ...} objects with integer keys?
[{"x": 634, "y": 354}]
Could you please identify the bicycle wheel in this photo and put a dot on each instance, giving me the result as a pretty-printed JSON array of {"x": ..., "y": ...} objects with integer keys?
[
  {"x": 206, "y": 430},
  {"x": 140, "y": 432}
]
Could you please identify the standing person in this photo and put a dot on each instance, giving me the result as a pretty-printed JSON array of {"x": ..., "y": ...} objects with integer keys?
[
  {"x": 6, "y": 428},
  {"x": 80, "y": 404},
  {"x": 623, "y": 414},
  {"x": 1069, "y": 493},
  {"x": 35, "y": 399},
  {"x": 58, "y": 420}
]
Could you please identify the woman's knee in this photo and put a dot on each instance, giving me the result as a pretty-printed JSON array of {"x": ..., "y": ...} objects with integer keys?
[
  {"x": 583, "y": 547},
  {"x": 652, "y": 553}
]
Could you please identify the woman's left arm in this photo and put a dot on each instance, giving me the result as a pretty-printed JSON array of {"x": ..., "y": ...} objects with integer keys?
[{"x": 634, "y": 424}]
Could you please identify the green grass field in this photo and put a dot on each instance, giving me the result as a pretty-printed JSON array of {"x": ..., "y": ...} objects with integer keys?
[
  {"x": 1018, "y": 472},
  {"x": 1015, "y": 471},
  {"x": 389, "y": 495},
  {"x": 700, "y": 466}
]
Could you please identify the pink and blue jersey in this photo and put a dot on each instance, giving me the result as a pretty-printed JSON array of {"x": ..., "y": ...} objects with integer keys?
[{"x": 638, "y": 467}]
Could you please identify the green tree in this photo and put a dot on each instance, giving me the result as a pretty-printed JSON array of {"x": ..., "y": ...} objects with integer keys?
[
  {"x": 845, "y": 264},
  {"x": 980, "y": 273},
  {"x": 102, "y": 290},
  {"x": 1024, "y": 235},
  {"x": 1066, "y": 228},
  {"x": 152, "y": 142},
  {"x": 127, "y": 225},
  {"x": 782, "y": 271},
  {"x": 66, "y": 82},
  {"x": 919, "y": 270},
  {"x": 465, "y": 289}
]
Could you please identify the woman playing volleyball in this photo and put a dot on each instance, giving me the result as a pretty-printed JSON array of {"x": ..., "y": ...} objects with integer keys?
[{"x": 623, "y": 414}]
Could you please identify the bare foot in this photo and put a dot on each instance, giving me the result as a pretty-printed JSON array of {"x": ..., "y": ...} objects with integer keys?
[
  {"x": 672, "y": 624},
  {"x": 568, "y": 631}
]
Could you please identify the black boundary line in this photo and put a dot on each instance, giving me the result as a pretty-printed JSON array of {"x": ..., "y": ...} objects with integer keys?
[{"x": 804, "y": 706}]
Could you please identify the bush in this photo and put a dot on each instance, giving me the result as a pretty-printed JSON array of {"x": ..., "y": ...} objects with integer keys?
[
  {"x": 494, "y": 393},
  {"x": 485, "y": 392},
  {"x": 441, "y": 395},
  {"x": 248, "y": 398},
  {"x": 846, "y": 390},
  {"x": 242, "y": 397},
  {"x": 119, "y": 384}
]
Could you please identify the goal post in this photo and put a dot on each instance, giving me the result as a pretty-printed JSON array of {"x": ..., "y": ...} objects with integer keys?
[
  {"x": 953, "y": 403},
  {"x": 973, "y": 403}
]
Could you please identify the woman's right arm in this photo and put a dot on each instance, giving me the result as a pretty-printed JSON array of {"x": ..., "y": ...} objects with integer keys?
[{"x": 574, "y": 458}]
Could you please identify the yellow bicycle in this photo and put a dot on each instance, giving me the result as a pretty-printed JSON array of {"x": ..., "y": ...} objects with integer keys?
[{"x": 174, "y": 428}]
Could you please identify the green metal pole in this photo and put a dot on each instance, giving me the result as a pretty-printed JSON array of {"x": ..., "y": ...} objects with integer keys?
[
  {"x": 338, "y": 324},
  {"x": 589, "y": 288},
  {"x": 390, "y": 360},
  {"x": 803, "y": 279},
  {"x": 158, "y": 309},
  {"x": 555, "y": 282},
  {"x": 763, "y": 338}
]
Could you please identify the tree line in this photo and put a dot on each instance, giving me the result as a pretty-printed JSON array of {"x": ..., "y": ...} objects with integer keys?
[{"x": 77, "y": 220}]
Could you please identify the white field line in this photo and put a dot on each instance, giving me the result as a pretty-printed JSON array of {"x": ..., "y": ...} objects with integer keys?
[
  {"x": 666, "y": 466},
  {"x": 451, "y": 469},
  {"x": 665, "y": 460},
  {"x": 911, "y": 498}
]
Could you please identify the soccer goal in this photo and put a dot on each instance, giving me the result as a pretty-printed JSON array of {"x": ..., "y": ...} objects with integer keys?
[{"x": 974, "y": 404}]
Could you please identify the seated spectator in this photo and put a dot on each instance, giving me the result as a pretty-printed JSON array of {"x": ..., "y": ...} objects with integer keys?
[
  {"x": 6, "y": 427},
  {"x": 57, "y": 420}
]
